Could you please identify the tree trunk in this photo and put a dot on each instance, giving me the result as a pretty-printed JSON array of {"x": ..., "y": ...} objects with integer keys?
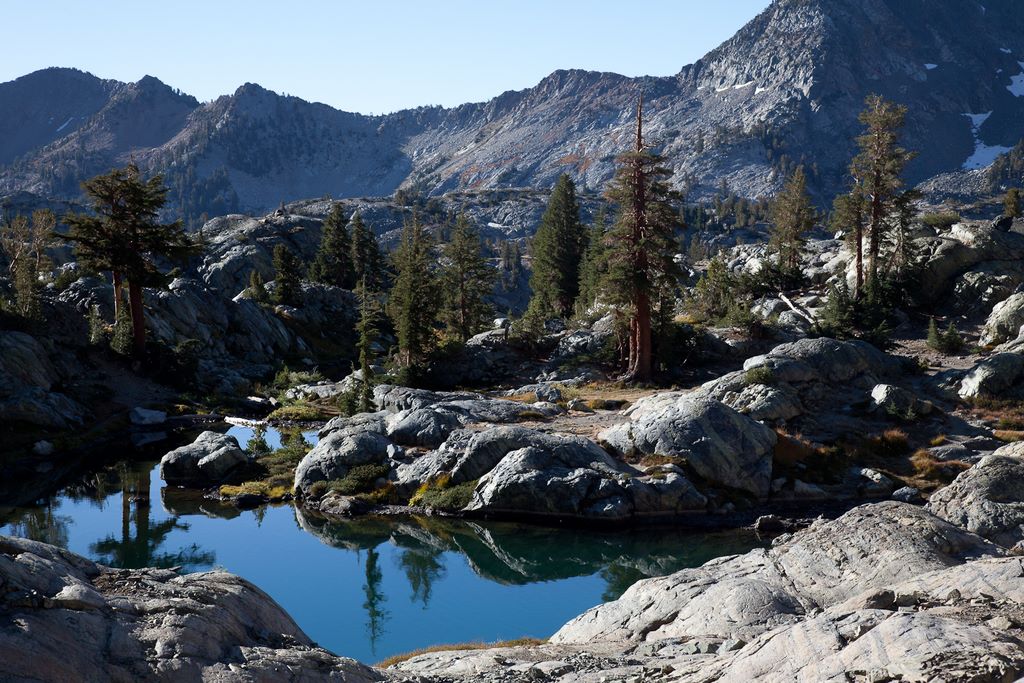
[
  {"x": 138, "y": 317},
  {"x": 859, "y": 284},
  {"x": 118, "y": 293},
  {"x": 642, "y": 371}
]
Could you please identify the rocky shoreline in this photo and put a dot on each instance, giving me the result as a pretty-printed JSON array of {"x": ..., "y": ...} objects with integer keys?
[{"x": 887, "y": 591}]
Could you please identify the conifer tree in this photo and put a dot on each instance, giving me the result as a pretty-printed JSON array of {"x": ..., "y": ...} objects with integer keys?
[
  {"x": 257, "y": 288},
  {"x": 1011, "y": 203},
  {"x": 466, "y": 281},
  {"x": 595, "y": 263},
  {"x": 877, "y": 170},
  {"x": 792, "y": 216},
  {"x": 367, "y": 261},
  {"x": 332, "y": 264},
  {"x": 368, "y": 329},
  {"x": 557, "y": 249},
  {"x": 287, "y": 277},
  {"x": 412, "y": 303},
  {"x": 24, "y": 243},
  {"x": 848, "y": 218},
  {"x": 641, "y": 246},
  {"x": 125, "y": 237}
]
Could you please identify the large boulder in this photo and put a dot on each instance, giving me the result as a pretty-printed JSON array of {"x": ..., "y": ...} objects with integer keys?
[
  {"x": 994, "y": 377},
  {"x": 28, "y": 381},
  {"x": 722, "y": 445},
  {"x": 1005, "y": 321},
  {"x": 867, "y": 549},
  {"x": 78, "y": 621},
  {"x": 988, "y": 498},
  {"x": 209, "y": 460},
  {"x": 341, "y": 450}
]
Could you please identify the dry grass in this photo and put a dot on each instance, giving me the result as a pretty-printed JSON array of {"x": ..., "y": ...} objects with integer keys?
[
  {"x": 526, "y": 397},
  {"x": 1008, "y": 435},
  {"x": 928, "y": 469},
  {"x": 790, "y": 450},
  {"x": 398, "y": 659},
  {"x": 272, "y": 492},
  {"x": 938, "y": 440}
]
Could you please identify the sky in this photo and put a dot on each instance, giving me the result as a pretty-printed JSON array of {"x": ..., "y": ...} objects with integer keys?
[{"x": 368, "y": 57}]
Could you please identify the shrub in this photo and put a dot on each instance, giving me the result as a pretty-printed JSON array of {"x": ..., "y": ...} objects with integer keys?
[
  {"x": 759, "y": 375},
  {"x": 949, "y": 341},
  {"x": 440, "y": 494},
  {"x": 360, "y": 479},
  {"x": 941, "y": 220},
  {"x": 297, "y": 412}
]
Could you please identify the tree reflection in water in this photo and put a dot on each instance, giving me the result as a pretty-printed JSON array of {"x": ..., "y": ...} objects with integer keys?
[
  {"x": 376, "y": 615},
  {"x": 422, "y": 567},
  {"x": 40, "y": 523}
]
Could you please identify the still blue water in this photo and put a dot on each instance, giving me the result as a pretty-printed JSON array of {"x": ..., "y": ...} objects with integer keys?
[{"x": 371, "y": 587}]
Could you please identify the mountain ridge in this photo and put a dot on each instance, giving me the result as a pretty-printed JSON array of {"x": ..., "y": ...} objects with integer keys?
[{"x": 785, "y": 89}]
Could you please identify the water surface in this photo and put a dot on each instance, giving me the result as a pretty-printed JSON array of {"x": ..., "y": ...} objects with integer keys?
[{"x": 371, "y": 587}]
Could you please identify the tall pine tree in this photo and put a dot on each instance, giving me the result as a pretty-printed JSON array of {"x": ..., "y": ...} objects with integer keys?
[
  {"x": 557, "y": 250},
  {"x": 287, "y": 277},
  {"x": 367, "y": 261},
  {"x": 332, "y": 264},
  {"x": 595, "y": 263},
  {"x": 641, "y": 246},
  {"x": 412, "y": 303},
  {"x": 877, "y": 171},
  {"x": 792, "y": 216},
  {"x": 466, "y": 281},
  {"x": 368, "y": 329},
  {"x": 125, "y": 237}
]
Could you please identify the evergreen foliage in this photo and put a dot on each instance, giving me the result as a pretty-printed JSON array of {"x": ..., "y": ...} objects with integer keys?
[
  {"x": 257, "y": 288},
  {"x": 1011, "y": 203},
  {"x": 595, "y": 263},
  {"x": 368, "y": 328},
  {"x": 367, "y": 260},
  {"x": 332, "y": 264},
  {"x": 412, "y": 303},
  {"x": 877, "y": 171},
  {"x": 641, "y": 246},
  {"x": 121, "y": 340},
  {"x": 287, "y": 277},
  {"x": 24, "y": 244},
  {"x": 792, "y": 216},
  {"x": 124, "y": 236},
  {"x": 466, "y": 280},
  {"x": 948, "y": 341},
  {"x": 557, "y": 250}
]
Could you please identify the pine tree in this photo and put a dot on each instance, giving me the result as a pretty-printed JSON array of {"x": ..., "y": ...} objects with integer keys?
[
  {"x": 595, "y": 263},
  {"x": 287, "y": 277},
  {"x": 792, "y": 216},
  {"x": 124, "y": 237},
  {"x": 557, "y": 250},
  {"x": 877, "y": 170},
  {"x": 368, "y": 326},
  {"x": 24, "y": 242},
  {"x": 1011, "y": 203},
  {"x": 934, "y": 339},
  {"x": 332, "y": 264},
  {"x": 367, "y": 261},
  {"x": 412, "y": 303},
  {"x": 641, "y": 247},
  {"x": 466, "y": 281},
  {"x": 257, "y": 288},
  {"x": 848, "y": 219}
]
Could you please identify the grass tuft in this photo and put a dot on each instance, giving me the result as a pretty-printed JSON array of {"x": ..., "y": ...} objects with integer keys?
[{"x": 398, "y": 659}]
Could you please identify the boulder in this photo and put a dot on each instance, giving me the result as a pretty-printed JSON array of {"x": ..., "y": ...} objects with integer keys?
[
  {"x": 78, "y": 621},
  {"x": 334, "y": 455},
  {"x": 422, "y": 426},
  {"x": 747, "y": 596},
  {"x": 988, "y": 498},
  {"x": 1004, "y": 322},
  {"x": 144, "y": 417},
  {"x": 995, "y": 376},
  {"x": 723, "y": 446},
  {"x": 898, "y": 402},
  {"x": 207, "y": 461}
]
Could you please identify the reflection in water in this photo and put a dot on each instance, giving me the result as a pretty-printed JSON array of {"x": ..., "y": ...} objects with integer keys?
[
  {"x": 422, "y": 568},
  {"x": 519, "y": 554},
  {"x": 376, "y": 615},
  {"x": 356, "y": 574}
]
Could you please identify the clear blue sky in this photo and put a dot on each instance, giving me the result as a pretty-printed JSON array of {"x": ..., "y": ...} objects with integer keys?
[{"x": 371, "y": 56}]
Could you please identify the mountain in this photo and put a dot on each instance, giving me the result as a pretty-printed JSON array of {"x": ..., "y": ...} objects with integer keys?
[{"x": 786, "y": 89}]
